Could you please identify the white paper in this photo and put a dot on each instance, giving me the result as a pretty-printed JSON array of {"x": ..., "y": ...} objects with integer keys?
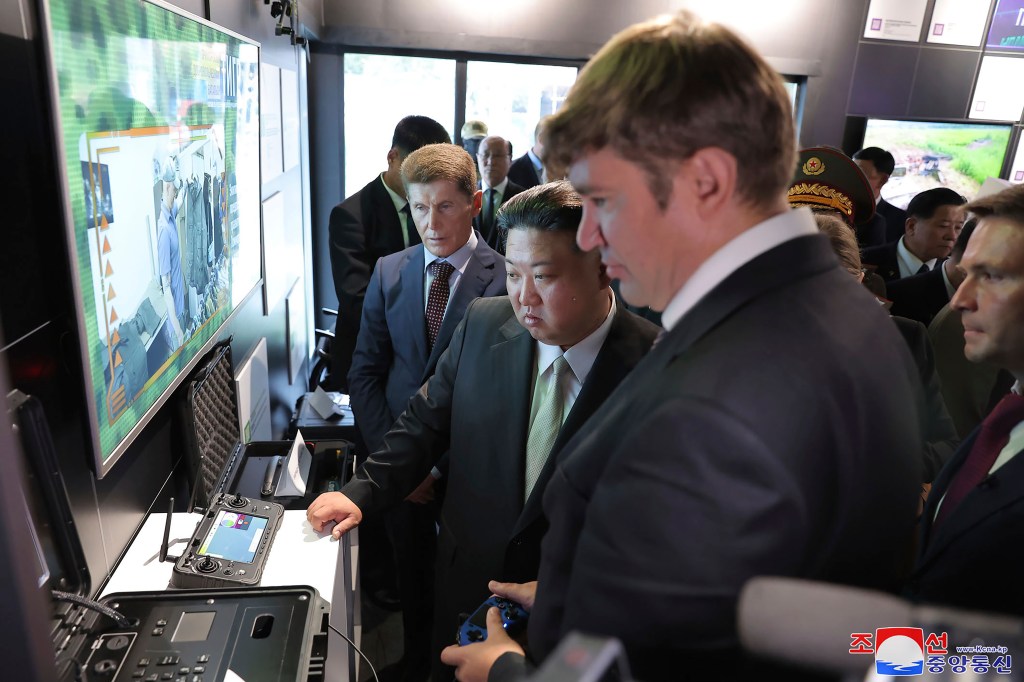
[
  {"x": 252, "y": 386},
  {"x": 296, "y": 470},
  {"x": 321, "y": 403},
  {"x": 895, "y": 20},
  {"x": 1017, "y": 169},
  {"x": 290, "y": 118},
  {"x": 270, "y": 122},
  {"x": 958, "y": 22},
  {"x": 996, "y": 97}
]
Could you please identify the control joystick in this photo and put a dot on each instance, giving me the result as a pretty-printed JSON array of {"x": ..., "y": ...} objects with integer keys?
[
  {"x": 207, "y": 565},
  {"x": 238, "y": 501},
  {"x": 474, "y": 629}
]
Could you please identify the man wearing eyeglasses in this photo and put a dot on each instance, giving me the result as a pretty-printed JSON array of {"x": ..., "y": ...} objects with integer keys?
[{"x": 494, "y": 158}]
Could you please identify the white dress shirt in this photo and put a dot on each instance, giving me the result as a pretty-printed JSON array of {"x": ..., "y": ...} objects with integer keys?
[
  {"x": 732, "y": 256},
  {"x": 908, "y": 262},
  {"x": 403, "y": 216},
  {"x": 459, "y": 260}
]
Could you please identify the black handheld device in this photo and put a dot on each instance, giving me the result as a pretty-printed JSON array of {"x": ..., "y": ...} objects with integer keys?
[{"x": 230, "y": 546}]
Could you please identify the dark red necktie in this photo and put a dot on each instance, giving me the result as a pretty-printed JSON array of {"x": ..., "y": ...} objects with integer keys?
[
  {"x": 994, "y": 434},
  {"x": 437, "y": 298}
]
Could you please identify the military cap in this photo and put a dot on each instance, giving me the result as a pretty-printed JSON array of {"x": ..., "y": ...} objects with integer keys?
[
  {"x": 828, "y": 178},
  {"x": 473, "y": 129}
]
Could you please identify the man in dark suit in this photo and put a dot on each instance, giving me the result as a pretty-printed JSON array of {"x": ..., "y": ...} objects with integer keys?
[
  {"x": 370, "y": 224},
  {"x": 921, "y": 297},
  {"x": 415, "y": 300},
  {"x": 516, "y": 369},
  {"x": 972, "y": 531},
  {"x": 878, "y": 166},
  {"x": 772, "y": 429},
  {"x": 526, "y": 171},
  {"x": 493, "y": 156},
  {"x": 934, "y": 219}
]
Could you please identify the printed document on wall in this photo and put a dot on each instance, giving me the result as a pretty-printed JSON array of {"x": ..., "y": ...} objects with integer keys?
[{"x": 895, "y": 20}]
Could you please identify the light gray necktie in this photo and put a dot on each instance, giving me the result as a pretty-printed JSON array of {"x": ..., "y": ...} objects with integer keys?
[{"x": 545, "y": 425}]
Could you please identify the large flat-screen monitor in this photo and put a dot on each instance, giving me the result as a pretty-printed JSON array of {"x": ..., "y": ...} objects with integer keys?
[
  {"x": 930, "y": 154},
  {"x": 157, "y": 114}
]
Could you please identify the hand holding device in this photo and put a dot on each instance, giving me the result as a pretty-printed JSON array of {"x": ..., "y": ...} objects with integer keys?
[
  {"x": 523, "y": 594},
  {"x": 474, "y": 629}
]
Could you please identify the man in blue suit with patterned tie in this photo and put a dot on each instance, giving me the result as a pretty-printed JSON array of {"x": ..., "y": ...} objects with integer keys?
[
  {"x": 414, "y": 301},
  {"x": 972, "y": 532}
]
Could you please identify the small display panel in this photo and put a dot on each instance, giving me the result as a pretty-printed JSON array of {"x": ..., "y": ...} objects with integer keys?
[
  {"x": 234, "y": 537},
  {"x": 193, "y": 627}
]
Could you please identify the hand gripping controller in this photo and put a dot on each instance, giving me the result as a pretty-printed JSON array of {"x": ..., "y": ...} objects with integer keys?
[{"x": 474, "y": 629}]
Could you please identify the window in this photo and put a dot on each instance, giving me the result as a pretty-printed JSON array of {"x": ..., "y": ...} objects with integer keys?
[
  {"x": 379, "y": 91},
  {"x": 511, "y": 98}
]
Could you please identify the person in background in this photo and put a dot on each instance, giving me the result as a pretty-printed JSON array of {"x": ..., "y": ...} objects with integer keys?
[
  {"x": 527, "y": 169},
  {"x": 494, "y": 156},
  {"x": 372, "y": 223},
  {"x": 473, "y": 133},
  {"x": 878, "y": 166},
  {"x": 934, "y": 219},
  {"x": 920, "y": 297}
]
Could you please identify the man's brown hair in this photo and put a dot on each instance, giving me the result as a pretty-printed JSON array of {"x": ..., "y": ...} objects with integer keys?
[
  {"x": 441, "y": 162},
  {"x": 1007, "y": 204},
  {"x": 661, "y": 90}
]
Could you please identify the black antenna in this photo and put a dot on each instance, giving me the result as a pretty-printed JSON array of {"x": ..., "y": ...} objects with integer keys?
[{"x": 167, "y": 535}]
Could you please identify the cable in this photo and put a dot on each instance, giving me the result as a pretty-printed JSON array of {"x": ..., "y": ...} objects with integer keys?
[
  {"x": 116, "y": 616},
  {"x": 357, "y": 650}
]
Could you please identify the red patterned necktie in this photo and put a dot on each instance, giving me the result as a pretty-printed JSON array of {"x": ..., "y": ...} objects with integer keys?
[
  {"x": 437, "y": 298},
  {"x": 992, "y": 438}
]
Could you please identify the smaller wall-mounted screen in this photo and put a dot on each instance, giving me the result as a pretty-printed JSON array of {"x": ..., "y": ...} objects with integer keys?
[
  {"x": 928, "y": 154},
  {"x": 158, "y": 116},
  {"x": 1017, "y": 168},
  {"x": 1007, "y": 29}
]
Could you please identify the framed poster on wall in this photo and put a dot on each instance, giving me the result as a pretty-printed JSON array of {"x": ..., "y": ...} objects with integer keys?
[{"x": 895, "y": 20}]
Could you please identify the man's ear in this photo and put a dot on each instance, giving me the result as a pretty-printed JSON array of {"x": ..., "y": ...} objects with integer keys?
[
  {"x": 885, "y": 179},
  {"x": 478, "y": 198},
  {"x": 712, "y": 178},
  {"x": 910, "y": 227},
  {"x": 394, "y": 158}
]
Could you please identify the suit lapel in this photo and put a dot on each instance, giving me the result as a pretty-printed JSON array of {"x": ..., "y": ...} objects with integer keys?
[
  {"x": 1002, "y": 488},
  {"x": 611, "y": 366},
  {"x": 474, "y": 281},
  {"x": 411, "y": 279},
  {"x": 513, "y": 359}
]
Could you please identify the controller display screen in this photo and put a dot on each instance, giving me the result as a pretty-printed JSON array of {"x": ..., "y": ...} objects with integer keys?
[{"x": 234, "y": 536}]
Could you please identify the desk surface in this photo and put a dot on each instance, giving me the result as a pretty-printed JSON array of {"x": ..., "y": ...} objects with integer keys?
[{"x": 298, "y": 556}]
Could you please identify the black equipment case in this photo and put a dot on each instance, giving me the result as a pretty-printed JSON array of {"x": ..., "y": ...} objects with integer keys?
[{"x": 219, "y": 462}]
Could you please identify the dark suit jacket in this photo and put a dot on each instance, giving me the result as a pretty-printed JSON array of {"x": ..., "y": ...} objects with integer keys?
[
  {"x": 523, "y": 173},
  {"x": 918, "y": 297},
  {"x": 770, "y": 432},
  {"x": 972, "y": 560},
  {"x": 493, "y": 236},
  {"x": 938, "y": 430},
  {"x": 391, "y": 359},
  {"x": 883, "y": 260},
  {"x": 477, "y": 406},
  {"x": 871, "y": 232},
  {"x": 895, "y": 220},
  {"x": 362, "y": 229}
]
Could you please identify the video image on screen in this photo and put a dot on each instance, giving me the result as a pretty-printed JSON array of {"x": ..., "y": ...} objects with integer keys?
[
  {"x": 159, "y": 121},
  {"x": 959, "y": 156}
]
